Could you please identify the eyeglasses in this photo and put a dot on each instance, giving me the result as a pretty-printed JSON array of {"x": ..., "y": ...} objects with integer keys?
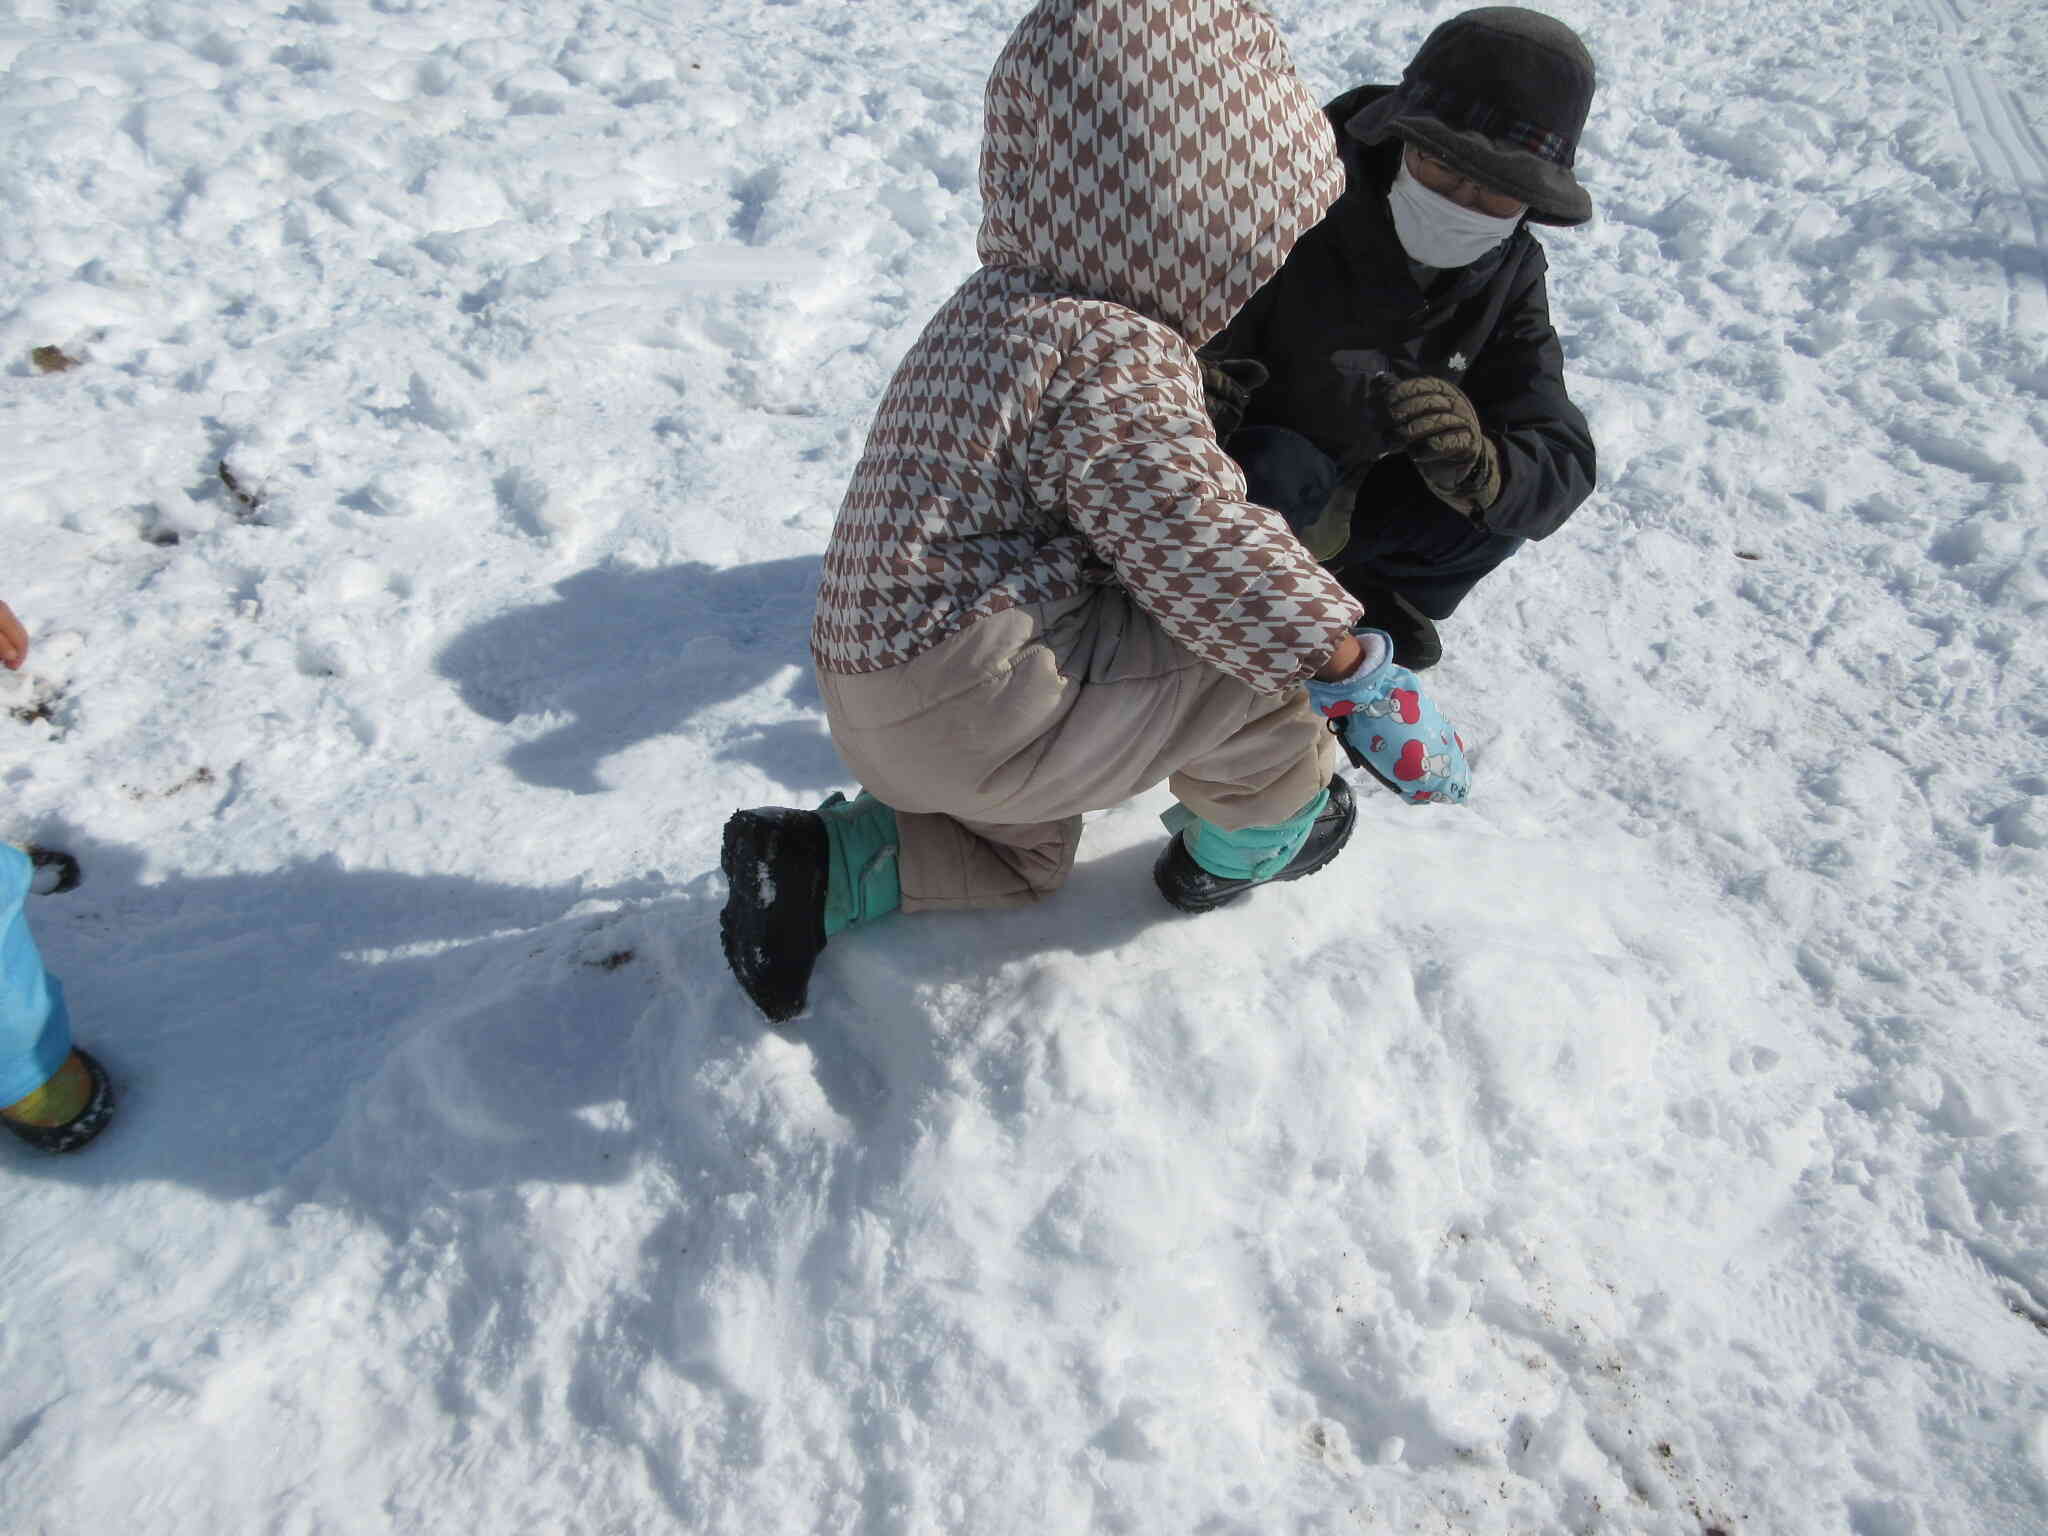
[{"x": 1461, "y": 189}]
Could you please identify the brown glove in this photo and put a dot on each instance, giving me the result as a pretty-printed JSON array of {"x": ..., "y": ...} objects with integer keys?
[
  {"x": 1440, "y": 430},
  {"x": 1227, "y": 385}
]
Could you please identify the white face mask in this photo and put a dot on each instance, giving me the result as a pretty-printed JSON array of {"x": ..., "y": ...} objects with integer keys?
[{"x": 1438, "y": 232}]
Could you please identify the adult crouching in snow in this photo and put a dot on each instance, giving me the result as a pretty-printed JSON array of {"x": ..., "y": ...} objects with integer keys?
[
  {"x": 1046, "y": 592},
  {"x": 1399, "y": 384}
]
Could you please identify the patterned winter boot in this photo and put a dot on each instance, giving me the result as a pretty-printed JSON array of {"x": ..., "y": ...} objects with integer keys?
[
  {"x": 796, "y": 878},
  {"x": 1204, "y": 866},
  {"x": 66, "y": 1112}
]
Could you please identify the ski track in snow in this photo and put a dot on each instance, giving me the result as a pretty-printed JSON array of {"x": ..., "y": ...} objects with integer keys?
[
  {"x": 1657, "y": 1146},
  {"x": 2010, "y": 151}
]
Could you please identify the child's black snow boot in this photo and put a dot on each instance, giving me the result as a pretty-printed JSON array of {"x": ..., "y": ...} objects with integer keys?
[
  {"x": 794, "y": 879},
  {"x": 1203, "y": 866},
  {"x": 56, "y": 870}
]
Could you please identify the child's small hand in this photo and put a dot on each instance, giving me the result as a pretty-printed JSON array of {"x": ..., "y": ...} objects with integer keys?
[
  {"x": 1389, "y": 727},
  {"x": 13, "y": 640}
]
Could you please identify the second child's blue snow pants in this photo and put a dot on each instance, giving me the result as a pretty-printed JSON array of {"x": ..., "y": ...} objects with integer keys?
[{"x": 35, "y": 1030}]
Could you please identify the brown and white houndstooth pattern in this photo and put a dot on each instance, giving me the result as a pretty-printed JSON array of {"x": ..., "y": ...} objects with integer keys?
[{"x": 1147, "y": 166}]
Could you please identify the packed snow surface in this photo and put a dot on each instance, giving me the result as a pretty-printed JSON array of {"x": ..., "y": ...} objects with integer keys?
[{"x": 419, "y": 558}]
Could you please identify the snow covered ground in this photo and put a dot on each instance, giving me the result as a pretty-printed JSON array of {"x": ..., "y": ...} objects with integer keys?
[{"x": 1659, "y": 1144}]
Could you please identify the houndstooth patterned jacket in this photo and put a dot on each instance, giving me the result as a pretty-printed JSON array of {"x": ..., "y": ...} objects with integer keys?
[{"x": 1147, "y": 165}]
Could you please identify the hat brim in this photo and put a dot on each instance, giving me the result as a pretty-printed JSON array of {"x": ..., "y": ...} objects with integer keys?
[{"x": 1553, "y": 194}]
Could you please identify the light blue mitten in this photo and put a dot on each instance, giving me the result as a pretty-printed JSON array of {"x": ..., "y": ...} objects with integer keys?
[{"x": 1389, "y": 727}]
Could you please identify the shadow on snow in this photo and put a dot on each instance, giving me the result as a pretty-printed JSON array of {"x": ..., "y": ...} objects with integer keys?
[{"x": 630, "y": 655}]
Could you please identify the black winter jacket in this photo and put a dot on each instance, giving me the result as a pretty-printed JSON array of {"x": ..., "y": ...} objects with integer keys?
[{"x": 1346, "y": 306}]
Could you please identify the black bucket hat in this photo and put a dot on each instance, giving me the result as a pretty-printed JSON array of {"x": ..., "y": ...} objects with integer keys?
[{"x": 1501, "y": 94}]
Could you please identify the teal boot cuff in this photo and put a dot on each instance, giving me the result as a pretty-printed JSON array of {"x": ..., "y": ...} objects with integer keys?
[
  {"x": 860, "y": 882},
  {"x": 1250, "y": 853}
]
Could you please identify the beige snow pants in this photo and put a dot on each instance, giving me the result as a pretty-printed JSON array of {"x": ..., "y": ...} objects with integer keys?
[{"x": 990, "y": 745}]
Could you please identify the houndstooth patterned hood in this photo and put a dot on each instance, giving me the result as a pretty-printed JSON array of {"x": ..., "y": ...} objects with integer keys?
[
  {"x": 1162, "y": 154},
  {"x": 1149, "y": 165}
]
